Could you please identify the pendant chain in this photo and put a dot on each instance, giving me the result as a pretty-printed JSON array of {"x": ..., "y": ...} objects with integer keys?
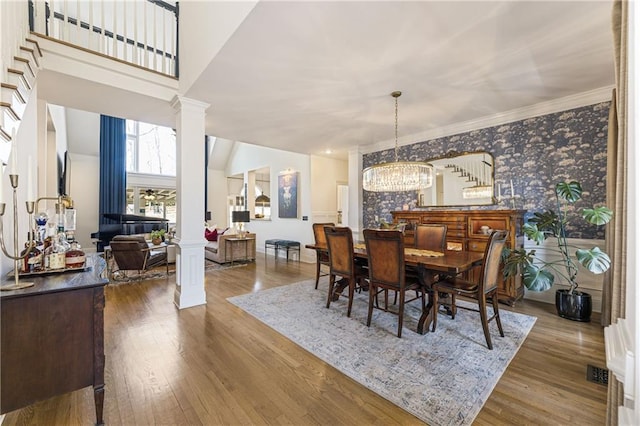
[{"x": 396, "y": 129}]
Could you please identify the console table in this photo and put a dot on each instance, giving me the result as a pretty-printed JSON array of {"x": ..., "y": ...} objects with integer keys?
[{"x": 52, "y": 339}]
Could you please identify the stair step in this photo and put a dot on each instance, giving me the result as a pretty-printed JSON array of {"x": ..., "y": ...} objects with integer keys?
[
  {"x": 11, "y": 93},
  {"x": 8, "y": 108},
  {"x": 5, "y": 146},
  {"x": 31, "y": 54},
  {"x": 6, "y": 137},
  {"x": 26, "y": 64},
  {"x": 20, "y": 77},
  {"x": 36, "y": 46}
]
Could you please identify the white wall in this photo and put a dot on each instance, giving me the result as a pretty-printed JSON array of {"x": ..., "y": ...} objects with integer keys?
[
  {"x": 198, "y": 48},
  {"x": 85, "y": 181},
  {"x": 217, "y": 198},
  {"x": 83, "y": 132}
]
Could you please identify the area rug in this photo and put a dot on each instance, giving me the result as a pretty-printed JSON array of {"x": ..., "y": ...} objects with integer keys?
[
  {"x": 443, "y": 378},
  {"x": 160, "y": 272}
]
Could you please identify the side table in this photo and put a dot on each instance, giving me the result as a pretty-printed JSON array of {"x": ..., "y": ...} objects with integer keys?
[{"x": 231, "y": 241}]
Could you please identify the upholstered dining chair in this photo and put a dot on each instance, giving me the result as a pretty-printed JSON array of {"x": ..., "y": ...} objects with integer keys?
[
  {"x": 385, "y": 252},
  {"x": 485, "y": 288},
  {"x": 322, "y": 257},
  {"x": 132, "y": 253},
  {"x": 342, "y": 263},
  {"x": 427, "y": 236},
  {"x": 430, "y": 236}
]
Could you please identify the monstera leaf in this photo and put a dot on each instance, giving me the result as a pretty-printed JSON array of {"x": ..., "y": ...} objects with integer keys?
[
  {"x": 595, "y": 260},
  {"x": 598, "y": 215},
  {"x": 547, "y": 222},
  {"x": 533, "y": 233},
  {"x": 537, "y": 279},
  {"x": 570, "y": 192}
]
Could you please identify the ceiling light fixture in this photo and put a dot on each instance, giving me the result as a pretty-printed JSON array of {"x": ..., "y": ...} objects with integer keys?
[
  {"x": 398, "y": 175},
  {"x": 149, "y": 195}
]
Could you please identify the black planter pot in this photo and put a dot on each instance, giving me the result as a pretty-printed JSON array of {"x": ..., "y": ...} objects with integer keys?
[{"x": 575, "y": 307}]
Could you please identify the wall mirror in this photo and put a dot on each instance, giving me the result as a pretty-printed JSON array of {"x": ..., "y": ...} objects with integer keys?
[{"x": 460, "y": 179}]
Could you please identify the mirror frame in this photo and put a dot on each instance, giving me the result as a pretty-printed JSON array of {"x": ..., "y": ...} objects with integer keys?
[{"x": 456, "y": 154}]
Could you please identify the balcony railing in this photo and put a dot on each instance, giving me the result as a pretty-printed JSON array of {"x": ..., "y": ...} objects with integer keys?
[{"x": 143, "y": 32}]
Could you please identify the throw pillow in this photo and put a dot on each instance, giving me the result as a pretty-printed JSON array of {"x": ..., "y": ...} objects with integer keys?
[{"x": 211, "y": 235}]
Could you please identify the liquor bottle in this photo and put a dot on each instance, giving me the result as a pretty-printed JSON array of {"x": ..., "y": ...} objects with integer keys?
[
  {"x": 57, "y": 258},
  {"x": 46, "y": 252},
  {"x": 74, "y": 257},
  {"x": 32, "y": 259}
]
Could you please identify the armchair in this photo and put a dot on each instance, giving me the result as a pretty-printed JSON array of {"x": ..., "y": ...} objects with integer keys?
[{"x": 132, "y": 253}]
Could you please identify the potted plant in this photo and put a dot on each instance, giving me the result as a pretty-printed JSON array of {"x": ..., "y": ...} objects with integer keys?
[
  {"x": 157, "y": 236},
  {"x": 538, "y": 274}
]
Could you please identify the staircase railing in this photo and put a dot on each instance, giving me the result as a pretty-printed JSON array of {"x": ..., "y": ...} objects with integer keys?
[{"x": 143, "y": 33}]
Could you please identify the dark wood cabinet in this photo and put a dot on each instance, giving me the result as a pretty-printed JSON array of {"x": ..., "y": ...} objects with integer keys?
[
  {"x": 465, "y": 232},
  {"x": 53, "y": 339}
]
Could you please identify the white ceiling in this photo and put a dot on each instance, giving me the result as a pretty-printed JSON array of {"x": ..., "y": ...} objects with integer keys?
[{"x": 311, "y": 76}]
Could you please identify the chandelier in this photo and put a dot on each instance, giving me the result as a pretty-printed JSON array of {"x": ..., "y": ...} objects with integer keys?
[{"x": 398, "y": 175}]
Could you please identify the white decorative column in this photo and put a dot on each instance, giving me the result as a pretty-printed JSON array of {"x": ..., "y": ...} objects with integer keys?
[
  {"x": 355, "y": 190},
  {"x": 189, "y": 202}
]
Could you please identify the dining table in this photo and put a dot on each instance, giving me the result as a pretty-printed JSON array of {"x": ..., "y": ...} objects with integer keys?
[{"x": 427, "y": 264}]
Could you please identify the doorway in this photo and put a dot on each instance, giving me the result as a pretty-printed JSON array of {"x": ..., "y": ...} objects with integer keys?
[{"x": 343, "y": 205}]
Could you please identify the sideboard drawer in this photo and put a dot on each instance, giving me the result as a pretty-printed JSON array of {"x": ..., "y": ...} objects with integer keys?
[{"x": 477, "y": 245}]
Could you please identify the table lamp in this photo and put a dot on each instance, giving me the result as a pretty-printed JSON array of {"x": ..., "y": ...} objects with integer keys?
[{"x": 240, "y": 217}]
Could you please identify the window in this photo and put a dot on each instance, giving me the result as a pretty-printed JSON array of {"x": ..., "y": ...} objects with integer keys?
[{"x": 151, "y": 149}]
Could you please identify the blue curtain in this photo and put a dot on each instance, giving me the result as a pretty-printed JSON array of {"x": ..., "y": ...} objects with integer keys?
[{"x": 113, "y": 167}]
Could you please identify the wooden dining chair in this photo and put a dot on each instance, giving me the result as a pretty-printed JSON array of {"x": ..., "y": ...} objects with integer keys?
[
  {"x": 431, "y": 236},
  {"x": 322, "y": 257},
  {"x": 385, "y": 252},
  {"x": 342, "y": 263},
  {"x": 427, "y": 236},
  {"x": 485, "y": 288}
]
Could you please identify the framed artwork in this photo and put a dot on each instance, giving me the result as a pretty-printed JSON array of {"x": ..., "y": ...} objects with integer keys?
[{"x": 288, "y": 194}]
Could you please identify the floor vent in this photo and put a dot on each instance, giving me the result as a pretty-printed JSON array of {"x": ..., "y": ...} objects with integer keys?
[{"x": 597, "y": 374}]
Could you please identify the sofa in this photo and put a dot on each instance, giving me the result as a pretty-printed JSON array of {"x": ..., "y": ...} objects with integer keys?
[{"x": 216, "y": 251}]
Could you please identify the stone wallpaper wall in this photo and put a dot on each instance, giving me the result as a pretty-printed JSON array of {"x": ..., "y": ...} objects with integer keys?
[{"x": 534, "y": 153}]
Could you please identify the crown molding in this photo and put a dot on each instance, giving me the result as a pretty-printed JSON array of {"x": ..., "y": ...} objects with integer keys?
[{"x": 591, "y": 97}]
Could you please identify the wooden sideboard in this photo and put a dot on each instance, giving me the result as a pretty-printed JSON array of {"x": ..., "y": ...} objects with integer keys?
[
  {"x": 53, "y": 338},
  {"x": 464, "y": 233}
]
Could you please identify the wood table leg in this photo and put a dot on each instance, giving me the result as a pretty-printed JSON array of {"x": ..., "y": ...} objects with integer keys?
[
  {"x": 424, "y": 323},
  {"x": 98, "y": 397},
  {"x": 426, "y": 280}
]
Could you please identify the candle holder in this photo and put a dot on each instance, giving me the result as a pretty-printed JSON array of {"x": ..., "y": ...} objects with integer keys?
[
  {"x": 511, "y": 197},
  {"x": 16, "y": 256}
]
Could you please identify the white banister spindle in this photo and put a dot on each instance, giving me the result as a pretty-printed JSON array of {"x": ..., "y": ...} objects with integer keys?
[
  {"x": 164, "y": 40},
  {"x": 103, "y": 44},
  {"x": 113, "y": 30},
  {"x": 90, "y": 21},
  {"x": 146, "y": 37},
  {"x": 135, "y": 34},
  {"x": 77, "y": 35},
  {"x": 65, "y": 26},
  {"x": 172, "y": 62},
  {"x": 155, "y": 39}
]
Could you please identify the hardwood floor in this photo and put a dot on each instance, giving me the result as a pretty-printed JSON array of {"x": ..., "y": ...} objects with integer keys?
[{"x": 215, "y": 364}]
